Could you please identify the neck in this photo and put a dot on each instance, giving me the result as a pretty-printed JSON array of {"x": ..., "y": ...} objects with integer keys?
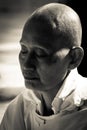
[
  {"x": 49, "y": 95},
  {"x": 47, "y": 98}
]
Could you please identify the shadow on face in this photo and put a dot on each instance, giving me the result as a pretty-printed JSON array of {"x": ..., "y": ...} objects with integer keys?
[{"x": 44, "y": 56}]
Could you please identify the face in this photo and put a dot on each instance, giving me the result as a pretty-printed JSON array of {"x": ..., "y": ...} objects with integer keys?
[{"x": 43, "y": 67}]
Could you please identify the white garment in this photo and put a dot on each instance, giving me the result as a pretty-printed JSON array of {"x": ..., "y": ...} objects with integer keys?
[
  {"x": 66, "y": 101},
  {"x": 22, "y": 113}
]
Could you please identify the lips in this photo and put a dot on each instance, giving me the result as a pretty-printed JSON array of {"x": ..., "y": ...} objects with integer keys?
[{"x": 30, "y": 75}]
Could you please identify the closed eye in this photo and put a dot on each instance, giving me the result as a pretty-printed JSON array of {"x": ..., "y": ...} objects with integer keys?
[
  {"x": 24, "y": 49},
  {"x": 40, "y": 53}
]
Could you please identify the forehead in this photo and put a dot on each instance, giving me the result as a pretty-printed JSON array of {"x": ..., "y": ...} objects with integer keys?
[
  {"x": 39, "y": 41},
  {"x": 42, "y": 36}
]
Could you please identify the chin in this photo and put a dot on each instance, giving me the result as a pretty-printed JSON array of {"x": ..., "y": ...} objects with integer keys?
[
  {"x": 36, "y": 84},
  {"x": 33, "y": 84}
]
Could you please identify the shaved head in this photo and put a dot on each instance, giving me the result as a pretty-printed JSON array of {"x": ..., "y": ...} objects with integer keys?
[
  {"x": 55, "y": 21},
  {"x": 50, "y": 45}
]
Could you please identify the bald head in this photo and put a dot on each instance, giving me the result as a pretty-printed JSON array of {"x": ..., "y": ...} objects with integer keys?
[
  {"x": 50, "y": 46},
  {"x": 53, "y": 22}
]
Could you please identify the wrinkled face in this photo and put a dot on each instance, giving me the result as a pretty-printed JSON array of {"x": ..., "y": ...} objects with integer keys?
[{"x": 44, "y": 63}]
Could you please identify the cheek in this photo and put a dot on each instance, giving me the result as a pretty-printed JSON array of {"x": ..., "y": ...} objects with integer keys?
[
  {"x": 48, "y": 73},
  {"x": 52, "y": 73}
]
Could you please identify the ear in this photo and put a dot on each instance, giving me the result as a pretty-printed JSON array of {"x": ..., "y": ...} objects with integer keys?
[{"x": 76, "y": 55}]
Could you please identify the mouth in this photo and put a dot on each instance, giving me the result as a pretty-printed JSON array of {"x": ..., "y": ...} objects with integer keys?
[{"x": 31, "y": 77}]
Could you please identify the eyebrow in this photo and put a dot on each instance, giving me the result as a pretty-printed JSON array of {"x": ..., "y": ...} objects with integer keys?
[
  {"x": 38, "y": 47},
  {"x": 43, "y": 49}
]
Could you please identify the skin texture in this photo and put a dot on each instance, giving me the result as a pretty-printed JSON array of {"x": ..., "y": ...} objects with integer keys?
[{"x": 50, "y": 48}]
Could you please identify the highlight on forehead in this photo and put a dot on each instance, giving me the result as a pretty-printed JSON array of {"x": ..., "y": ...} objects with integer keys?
[{"x": 57, "y": 20}]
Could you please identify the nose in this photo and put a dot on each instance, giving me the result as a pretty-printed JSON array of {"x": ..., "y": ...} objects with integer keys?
[{"x": 30, "y": 62}]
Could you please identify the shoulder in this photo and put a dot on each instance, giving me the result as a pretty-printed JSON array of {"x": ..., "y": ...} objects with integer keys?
[
  {"x": 17, "y": 104},
  {"x": 26, "y": 97},
  {"x": 18, "y": 111},
  {"x": 78, "y": 97},
  {"x": 81, "y": 89},
  {"x": 13, "y": 117},
  {"x": 81, "y": 80}
]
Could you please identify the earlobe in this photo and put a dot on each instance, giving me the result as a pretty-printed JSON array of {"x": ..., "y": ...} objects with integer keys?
[{"x": 76, "y": 55}]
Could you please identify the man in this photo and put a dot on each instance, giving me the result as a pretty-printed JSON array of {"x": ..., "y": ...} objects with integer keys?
[{"x": 50, "y": 54}]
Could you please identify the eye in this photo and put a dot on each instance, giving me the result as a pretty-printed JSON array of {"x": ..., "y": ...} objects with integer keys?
[
  {"x": 40, "y": 53},
  {"x": 23, "y": 49}
]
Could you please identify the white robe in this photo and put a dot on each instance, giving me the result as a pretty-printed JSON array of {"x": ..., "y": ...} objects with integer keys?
[{"x": 69, "y": 112}]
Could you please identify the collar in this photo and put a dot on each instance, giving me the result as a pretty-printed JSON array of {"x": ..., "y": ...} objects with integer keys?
[{"x": 66, "y": 89}]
